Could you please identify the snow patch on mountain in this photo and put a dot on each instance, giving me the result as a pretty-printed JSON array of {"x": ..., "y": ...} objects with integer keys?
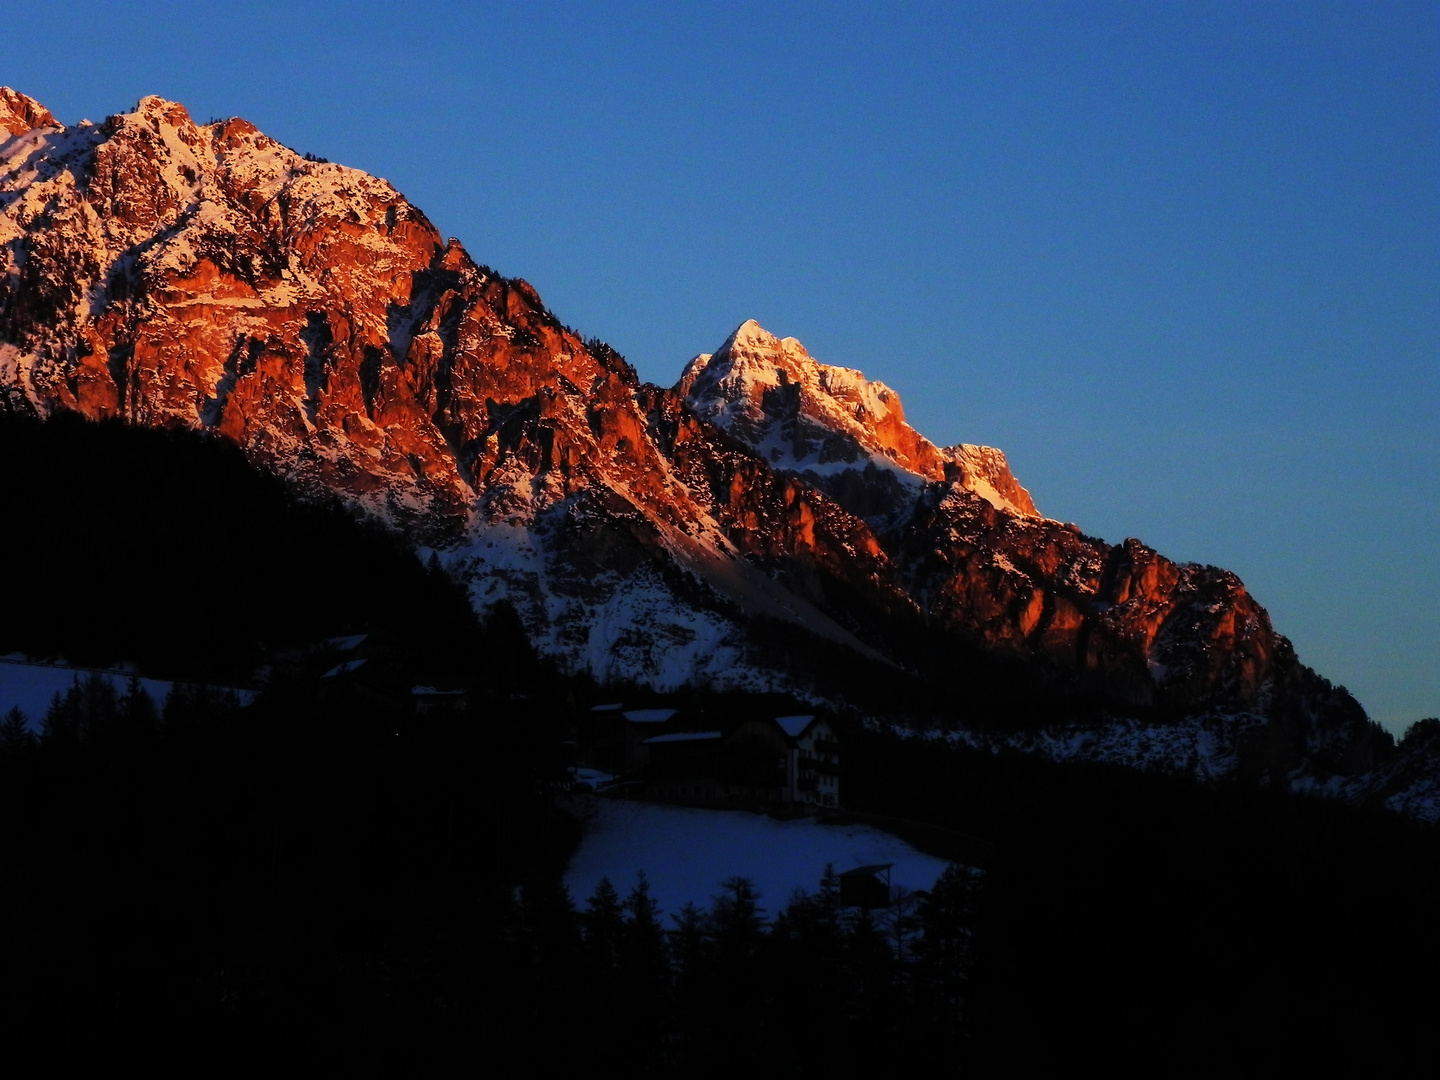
[{"x": 623, "y": 627}]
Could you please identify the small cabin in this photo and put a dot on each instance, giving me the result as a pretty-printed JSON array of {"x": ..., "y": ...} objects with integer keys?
[
  {"x": 613, "y": 736},
  {"x": 364, "y": 670}
]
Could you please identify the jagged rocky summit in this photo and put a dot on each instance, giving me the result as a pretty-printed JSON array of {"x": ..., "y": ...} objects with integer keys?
[
  {"x": 203, "y": 275},
  {"x": 840, "y": 432}
]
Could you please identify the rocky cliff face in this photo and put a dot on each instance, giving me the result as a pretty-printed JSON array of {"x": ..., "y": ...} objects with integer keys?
[
  {"x": 966, "y": 544},
  {"x": 173, "y": 273},
  {"x": 19, "y": 114},
  {"x": 203, "y": 275}
]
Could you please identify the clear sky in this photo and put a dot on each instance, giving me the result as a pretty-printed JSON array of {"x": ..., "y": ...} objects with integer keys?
[{"x": 1181, "y": 261}]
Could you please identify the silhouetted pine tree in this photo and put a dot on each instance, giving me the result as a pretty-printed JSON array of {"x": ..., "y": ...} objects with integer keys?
[
  {"x": 603, "y": 924},
  {"x": 644, "y": 960},
  {"x": 880, "y": 1002},
  {"x": 645, "y": 981},
  {"x": 946, "y": 915},
  {"x": 60, "y": 730},
  {"x": 16, "y": 738},
  {"x": 138, "y": 719},
  {"x": 809, "y": 980}
]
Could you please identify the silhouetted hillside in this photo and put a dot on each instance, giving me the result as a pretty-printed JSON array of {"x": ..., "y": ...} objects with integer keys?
[{"x": 167, "y": 548}]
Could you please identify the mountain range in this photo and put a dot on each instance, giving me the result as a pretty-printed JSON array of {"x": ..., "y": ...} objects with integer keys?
[{"x": 768, "y": 522}]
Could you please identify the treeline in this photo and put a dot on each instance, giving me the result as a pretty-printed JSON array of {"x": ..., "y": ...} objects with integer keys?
[
  {"x": 90, "y": 713},
  {"x": 1159, "y": 927},
  {"x": 317, "y": 876},
  {"x": 354, "y": 883},
  {"x": 813, "y": 988},
  {"x": 169, "y": 550},
  {"x": 307, "y": 874}
]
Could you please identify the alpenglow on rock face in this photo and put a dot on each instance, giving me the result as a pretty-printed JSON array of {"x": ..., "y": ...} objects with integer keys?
[
  {"x": 841, "y": 432},
  {"x": 173, "y": 273},
  {"x": 19, "y": 114}
]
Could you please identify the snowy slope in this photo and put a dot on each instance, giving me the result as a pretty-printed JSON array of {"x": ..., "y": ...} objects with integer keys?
[
  {"x": 686, "y": 853},
  {"x": 31, "y": 685}
]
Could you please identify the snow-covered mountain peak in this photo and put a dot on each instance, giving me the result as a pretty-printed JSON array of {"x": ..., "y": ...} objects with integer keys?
[
  {"x": 749, "y": 336},
  {"x": 207, "y": 275},
  {"x": 841, "y": 431}
]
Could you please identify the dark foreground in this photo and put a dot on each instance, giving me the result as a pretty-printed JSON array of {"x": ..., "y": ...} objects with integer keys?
[
  {"x": 300, "y": 877},
  {"x": 327, "y": 877}
]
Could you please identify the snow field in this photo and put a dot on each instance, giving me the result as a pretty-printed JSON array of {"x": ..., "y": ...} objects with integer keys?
[
  {"x": 686, "y": 853},
  {"x": 30, "y": 686}
]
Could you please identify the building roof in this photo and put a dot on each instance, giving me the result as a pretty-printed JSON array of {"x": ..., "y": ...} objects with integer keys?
[
  {"x": 343, "y": 669},
  {"x": 346, "y": 643},
  {"x": 683, "y": 736},
  {"x": 649, "y": 716},
  {"x": 794, "y": 726}
]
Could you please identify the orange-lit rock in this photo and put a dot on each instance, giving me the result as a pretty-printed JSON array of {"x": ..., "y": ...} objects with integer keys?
[
  {"x": 19, "y": 114},
  {"x": 178, "y": 274}
]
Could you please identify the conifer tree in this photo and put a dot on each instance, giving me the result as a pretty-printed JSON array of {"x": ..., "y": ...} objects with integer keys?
[
  {"x": 60, "y": 730},
  {"x": 689, "y": 936},
  {"x": 946, "y": 915},
  {"x": 603, "y": 924},
  {"x": 138, "y": 718},
  {"x": 737, "y": 920},
  {"x": 645, "y": 969},
  {"x": 644, "y": 942},
  {"x": 16, "y": 738}
]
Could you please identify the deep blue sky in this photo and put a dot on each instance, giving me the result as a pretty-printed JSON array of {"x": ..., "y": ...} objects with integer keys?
[{"x": 1180, "y": 261}]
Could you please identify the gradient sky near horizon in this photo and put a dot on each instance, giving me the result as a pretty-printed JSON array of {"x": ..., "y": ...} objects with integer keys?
[{"x": 1180, "y": 261}]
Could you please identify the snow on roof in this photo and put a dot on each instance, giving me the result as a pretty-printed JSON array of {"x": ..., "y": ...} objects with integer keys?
[
  {"x": 586, "y": 775},
  {"x": 649, "y": 716},
  {"x": 346, "y": 643},
  {"x": 866, "y": 871},
  {"x": 434, "y": 691},
  {"x": 683, "y": 736},
  {"x": 614, "y": 707},
  {"x": 343, "y": 669},
  {"x": 794, "y": 726}
]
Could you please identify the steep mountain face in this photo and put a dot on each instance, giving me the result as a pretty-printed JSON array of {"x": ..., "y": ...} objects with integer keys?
[
  {"x": 966, "y": 543},
  {"x": 203, "y": 275},
  {"x": 173, "y": 273}
]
